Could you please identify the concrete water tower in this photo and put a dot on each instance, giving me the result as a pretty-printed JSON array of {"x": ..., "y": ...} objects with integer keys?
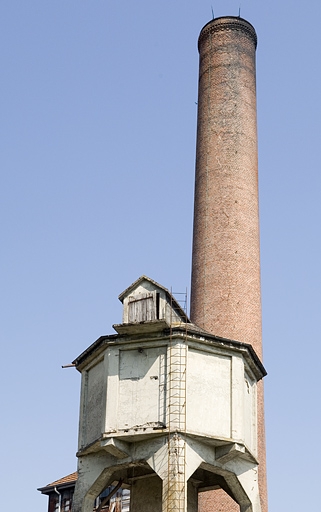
[
  {"x": 171, "y": 408},
  {"x": 166, "y": 409}
]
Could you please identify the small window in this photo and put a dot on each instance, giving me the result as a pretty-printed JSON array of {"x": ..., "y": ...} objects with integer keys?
[{"x": 66, "y": 506}]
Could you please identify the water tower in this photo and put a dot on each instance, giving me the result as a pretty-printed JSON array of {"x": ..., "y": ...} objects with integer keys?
[{"x": 172, "y": 407}]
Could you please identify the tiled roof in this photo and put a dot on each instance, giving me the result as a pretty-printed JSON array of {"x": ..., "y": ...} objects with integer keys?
[
  {"x": 69, "y": 479},
  {"x": 65, "y": 480}
]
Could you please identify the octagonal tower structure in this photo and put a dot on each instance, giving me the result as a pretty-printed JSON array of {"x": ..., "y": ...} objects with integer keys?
[{"x": 167, "y": 409}]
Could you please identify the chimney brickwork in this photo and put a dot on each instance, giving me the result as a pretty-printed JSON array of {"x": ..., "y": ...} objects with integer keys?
[{"x": 225, "y": 292}]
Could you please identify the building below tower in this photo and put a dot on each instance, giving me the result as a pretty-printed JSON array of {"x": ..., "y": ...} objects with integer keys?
[{"x": 60, "y": 496}]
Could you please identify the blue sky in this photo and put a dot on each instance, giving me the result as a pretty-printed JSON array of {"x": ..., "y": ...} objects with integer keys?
[{"x": 97, "y": 152}]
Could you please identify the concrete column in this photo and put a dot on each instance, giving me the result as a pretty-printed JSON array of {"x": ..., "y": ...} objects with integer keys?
[
  {"x": 174, "y": 462},
  {"x": 94, "y": 472},
  {"x": 237, "y": 420},
  {"x": 112, "y": 377},
  {"x": 174, "y": 479},
  {"x": 147, "y": 495}
]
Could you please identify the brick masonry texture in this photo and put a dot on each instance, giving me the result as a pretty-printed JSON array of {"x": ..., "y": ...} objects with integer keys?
[{"x": 225, "y": 294}]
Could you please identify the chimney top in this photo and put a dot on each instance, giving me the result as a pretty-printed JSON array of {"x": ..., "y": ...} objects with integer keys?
[{"x": 228, "y": 23}]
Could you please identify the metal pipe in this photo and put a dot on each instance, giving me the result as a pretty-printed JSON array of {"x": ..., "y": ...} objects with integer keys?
[{"x": 59, "y": 499}]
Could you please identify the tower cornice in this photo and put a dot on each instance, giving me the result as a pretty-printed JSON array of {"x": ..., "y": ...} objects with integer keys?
[{"x": 228, "y": 23}]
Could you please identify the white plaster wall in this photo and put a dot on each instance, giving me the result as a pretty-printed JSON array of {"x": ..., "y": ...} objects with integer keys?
[
  {"x": 141, "y": 387},
  {"x": 209, "y": 394},
  {"x": 237, "y": 397},
  {"x": 249, "y": 413},
  {"x": 94, "y": 403}
]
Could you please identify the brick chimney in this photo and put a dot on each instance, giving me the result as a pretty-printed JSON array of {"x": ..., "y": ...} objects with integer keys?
[{"x": 225, "y": 291}]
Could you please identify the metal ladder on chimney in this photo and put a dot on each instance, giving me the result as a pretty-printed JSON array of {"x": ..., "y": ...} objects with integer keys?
[{"x": 176, "y": 486}]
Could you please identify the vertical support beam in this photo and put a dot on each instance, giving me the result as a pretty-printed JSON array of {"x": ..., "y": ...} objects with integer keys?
[
  {"x": 94, "y": 473},
  {"x": 112, "y": 377},
  {"x": 237, "y": 398},
  {"x": 174, "y": 480},
  {"x": 177, "y": 360},
  {"x": 82, "y": 416},
  {"x": 174, "y": 462}
]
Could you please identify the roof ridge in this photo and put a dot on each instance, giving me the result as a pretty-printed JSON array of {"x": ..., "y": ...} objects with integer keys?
[{"x": 72, "y": 477}]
